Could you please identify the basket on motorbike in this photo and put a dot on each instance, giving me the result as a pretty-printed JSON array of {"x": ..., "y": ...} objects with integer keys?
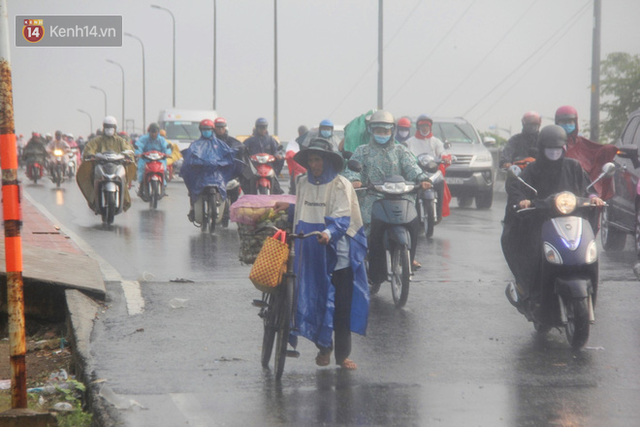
[{"x": 252, "y": 212}]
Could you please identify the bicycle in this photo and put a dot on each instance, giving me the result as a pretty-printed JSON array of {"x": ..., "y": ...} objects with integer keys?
[{"x": 277, "y": 311}]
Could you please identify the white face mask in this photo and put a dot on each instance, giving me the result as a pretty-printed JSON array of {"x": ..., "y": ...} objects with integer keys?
[
  {"x": 403, "y": 133},
  {"x": 109, "y": 131},
  {"x": 553, "y": 154}
]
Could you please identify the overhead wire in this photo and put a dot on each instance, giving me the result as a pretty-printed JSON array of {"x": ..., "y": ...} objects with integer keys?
[
  {"x": 584, "y": 10},
  {"x": 486, "y": 56},
  {"x": 432, "y": 51},
  {"x": 525, "y": 61},
  {"x": 409, "y": 15}
]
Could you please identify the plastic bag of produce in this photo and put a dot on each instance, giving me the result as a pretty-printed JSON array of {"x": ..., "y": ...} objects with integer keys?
[{"x": 252, "y": 209}]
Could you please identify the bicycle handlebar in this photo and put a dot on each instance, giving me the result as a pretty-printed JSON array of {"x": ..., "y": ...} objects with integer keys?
[{"x": 289, "y": 235}]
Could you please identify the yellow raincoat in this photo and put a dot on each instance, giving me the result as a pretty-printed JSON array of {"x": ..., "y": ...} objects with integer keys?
[{"x": 100, "y": 144}]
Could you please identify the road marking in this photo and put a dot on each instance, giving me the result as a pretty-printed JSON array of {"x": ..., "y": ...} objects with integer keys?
[
  {"x": 132, "y": 293},
  {"x": 133, "y": 297},
  {"x": 187, "y": 404}
]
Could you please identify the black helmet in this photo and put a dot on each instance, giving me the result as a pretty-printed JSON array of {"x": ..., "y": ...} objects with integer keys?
[
  {"x": 552, "y": 136},
  {"x": 324, "y": 149}
]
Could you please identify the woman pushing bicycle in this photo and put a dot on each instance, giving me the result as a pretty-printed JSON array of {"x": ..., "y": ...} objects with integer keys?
[{"x": 332, "y": 288}]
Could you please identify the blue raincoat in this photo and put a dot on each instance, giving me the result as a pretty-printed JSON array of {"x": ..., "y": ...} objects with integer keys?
[
  {"x": 328, "y": 203},
  {"x": 144, "y": 144},
  {"x": 208, "y": 162}
]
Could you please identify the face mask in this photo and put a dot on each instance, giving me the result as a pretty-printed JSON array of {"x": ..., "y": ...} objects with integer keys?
[
  {"x": 403, "y": 133},
  {"x": 207, "y": 133},
  {"x": 109, "y": 131},
  {"x": 381, "y": 139},
  {"x": 325, "y": 133},
  {"x": 568, "y": 127},
  {"x": 425, "y": 133},
  {"x": 553, "y": 154}
]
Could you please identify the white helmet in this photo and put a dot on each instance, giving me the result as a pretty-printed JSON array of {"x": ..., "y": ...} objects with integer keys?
[{"x": 110, "y": 120}]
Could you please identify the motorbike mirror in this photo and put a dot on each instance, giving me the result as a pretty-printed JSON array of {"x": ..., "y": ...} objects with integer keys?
[
  {"x": 354, "y": 165},
  {"x": 514, "y": 171},
  {"x": 347, "y": 154},
  {"x": 447, "y": 145},
  {"x": 608, "y": 169}
]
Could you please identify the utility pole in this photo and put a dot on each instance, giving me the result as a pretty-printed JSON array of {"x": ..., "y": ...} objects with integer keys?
[
  {"x": 215, "y": 41},
  {"x": 595, "y": 72},
  {"x": 12, "y": 223},
  {"x": 275, "y": 67},
  {"x": 380, "y": 62}
]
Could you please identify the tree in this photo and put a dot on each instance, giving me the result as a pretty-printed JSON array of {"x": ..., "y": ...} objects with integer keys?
[{"x": 620, "y": 85}]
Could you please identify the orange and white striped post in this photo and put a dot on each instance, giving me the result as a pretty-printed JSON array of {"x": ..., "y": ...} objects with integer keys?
[{"x": 12, "y": 221}]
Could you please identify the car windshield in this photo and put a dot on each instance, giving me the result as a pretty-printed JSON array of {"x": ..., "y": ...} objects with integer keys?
[
  {"x": 455, "y": 133},
  {"x": 182, "y": 130}
]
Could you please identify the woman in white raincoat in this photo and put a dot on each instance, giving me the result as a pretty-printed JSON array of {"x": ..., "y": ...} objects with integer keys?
[{"x": 332, "y": 289}]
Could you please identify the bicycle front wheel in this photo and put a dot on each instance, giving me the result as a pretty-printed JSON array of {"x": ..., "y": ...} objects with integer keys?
[
  {"x": 284, "y": 325},
  {"x": 270, "y": 327}
]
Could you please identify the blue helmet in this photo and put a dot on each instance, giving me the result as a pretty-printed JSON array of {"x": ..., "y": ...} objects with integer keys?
[
  {"x": 424, "y": 118},
  {"x": 262, "y": 122},
  {"x": 327, "y": 123}
]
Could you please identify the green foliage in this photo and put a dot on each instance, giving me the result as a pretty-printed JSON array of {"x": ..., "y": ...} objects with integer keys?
[
  {"x": 620, "y": 86},
  {"x": 500, "y": 141}
]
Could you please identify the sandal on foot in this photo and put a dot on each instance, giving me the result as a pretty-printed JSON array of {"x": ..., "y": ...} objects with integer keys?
[
  {"x": 323, "y": 359},
  {"x": 348, "y": 364},
  {"x": 416, "y": 265}
]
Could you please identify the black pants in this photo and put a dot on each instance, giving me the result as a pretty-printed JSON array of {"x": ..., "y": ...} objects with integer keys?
[
  {"x": 377, "y": 257},
  {"x": 342, "y": 281}
]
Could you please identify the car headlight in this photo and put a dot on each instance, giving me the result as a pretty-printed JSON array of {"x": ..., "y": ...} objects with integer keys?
[
  {"x": 395, "y": 187},
  {"x": 566, "y": 202},
  {"x": 483, "y": 159},
  {"x": 592, "y": 253},
  {"x": 551, "y": 254}
]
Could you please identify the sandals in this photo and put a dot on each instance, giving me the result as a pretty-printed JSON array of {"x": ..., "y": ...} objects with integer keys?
[
  {"x": 416, "y": 265},
  {"x": 348, "y": 364},
  {"x": 323, "y": 359}
]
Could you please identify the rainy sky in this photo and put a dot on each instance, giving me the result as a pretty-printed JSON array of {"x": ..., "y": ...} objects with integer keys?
[{"x": 486, "y": 60}]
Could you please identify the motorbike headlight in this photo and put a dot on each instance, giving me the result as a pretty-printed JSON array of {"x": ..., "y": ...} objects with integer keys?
[
  {"x": 592, "y": 253},
  {"x": 551, "y": 254},
  {"x": 566, "y": 202},
  {"x": 57, "y": 152},
  {"x": 262, "y": 159},
  {"x": 395, "y": 187}
]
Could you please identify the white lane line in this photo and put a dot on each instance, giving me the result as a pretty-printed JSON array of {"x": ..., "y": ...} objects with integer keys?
[
  {"x": 187, "y": 404},
  {"x": 133, "y": 297}
]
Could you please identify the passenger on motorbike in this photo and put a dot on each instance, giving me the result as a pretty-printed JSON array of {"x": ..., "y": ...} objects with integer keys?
[
  {"x": 404, "y": 130},
  {"x": 423, "y": 142},
  {"x": 333, "y": 294},
  {"x": 58, "y": 144},
  {"x": 223, "y": 135},
  {"x": 524, "y": 144},
  {"x": 152, "y": 141},
  {"x": 207, "y": 162},
  {"x": 381, "y": 158},
  {"x": 552, "y": 172},
  {"x": 107, "y": 140}
]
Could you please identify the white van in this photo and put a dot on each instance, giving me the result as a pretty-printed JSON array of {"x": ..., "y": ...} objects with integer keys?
[{"x": 182, "y": 125}]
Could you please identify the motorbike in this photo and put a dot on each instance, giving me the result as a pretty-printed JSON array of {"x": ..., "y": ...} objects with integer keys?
[
  {"x": 109, "y": 182},
  {"x": 427, "y": 201},
  {"x": 263, "y": 172},
  {"x": 568, "y": 276},
  {"x": 58, "y": 167},
  {"x": 72, "y": 165},
  {"x": 395, "y": 213},
  {"x": 208, "y": 209},
  {"x": 35, "y": 168},
  {"x": 151, "y": 189}
]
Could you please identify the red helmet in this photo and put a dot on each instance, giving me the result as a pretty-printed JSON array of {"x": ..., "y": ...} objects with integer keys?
[
  {"x": 404, "y": 122},
  {"x": 206, "y": 123},
  {"x": 220, "y": 122},
  {"x": 531, "y": 117},
  {"x": 566, "y": 112}
]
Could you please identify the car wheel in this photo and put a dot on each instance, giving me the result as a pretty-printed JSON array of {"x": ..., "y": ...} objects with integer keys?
[
  {"x": 484, "y": 200},
  {"x": 465, "y": 202},
  {"x": 637, "y": 229},
  {"x": 612, "y": 239}
]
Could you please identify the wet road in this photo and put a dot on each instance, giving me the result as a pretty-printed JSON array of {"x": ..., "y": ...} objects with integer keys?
[{"x": 458, "y": 354}]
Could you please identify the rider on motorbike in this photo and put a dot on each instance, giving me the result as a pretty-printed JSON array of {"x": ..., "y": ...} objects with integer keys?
[
  {"x": 381, "y": 158},
  {"x": 424, "y": 142},
  {"x": 207, "y": 162},
  {"x": 58, "y": 144},
  {"x": 332, "y": 291},
  {"x": 524, "y": 144},
  {"x": 35, "y": 152},
  {"x": 223, "y": 135},
  {"x": 324, "y": 131},
  {"x": 106, "y": 141},
  {"x": 262, "y": 142},
  {"x": 552, "y": 172},
  {"x": 152, "y": 141},
  {"x": 404, "y": 130}
]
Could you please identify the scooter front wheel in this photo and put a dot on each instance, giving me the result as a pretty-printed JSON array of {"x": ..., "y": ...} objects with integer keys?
[
  {"x": 577, "y": 328},
  {"x": 400, "y": 275},
  {"x": 430, "y": 220}
]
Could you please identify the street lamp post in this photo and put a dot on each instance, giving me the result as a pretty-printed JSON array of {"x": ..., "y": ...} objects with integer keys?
[
  {"x": 144, "y": 91},
  {"x": 215, "y": 41},
  {"x": 174, "y": 49},
  {"x": 105, "y": 97},
  {"x": 90, "y": 121},
  {"x": 121, "y": 69}
]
